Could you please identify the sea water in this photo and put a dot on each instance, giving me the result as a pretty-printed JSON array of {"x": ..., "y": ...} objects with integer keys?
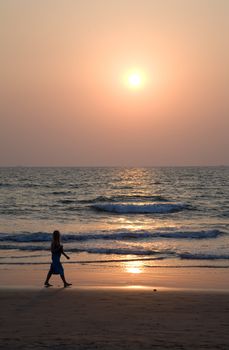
[{"x": 170, "y": 216}]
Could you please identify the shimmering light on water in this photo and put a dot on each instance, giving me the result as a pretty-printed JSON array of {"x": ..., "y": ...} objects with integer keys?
[
  {"x": 170, "y": 216},
  {"x": 134, "y": 267}
]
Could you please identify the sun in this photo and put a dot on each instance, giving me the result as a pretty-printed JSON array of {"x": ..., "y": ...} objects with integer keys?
[{"x": 134, "y": 79}]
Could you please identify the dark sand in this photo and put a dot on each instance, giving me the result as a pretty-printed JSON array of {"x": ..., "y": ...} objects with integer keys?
[{"x": 113, "y": 318}]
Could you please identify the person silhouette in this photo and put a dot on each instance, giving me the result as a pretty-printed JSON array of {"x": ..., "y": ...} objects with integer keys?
[{"x": 56, "y": 267}]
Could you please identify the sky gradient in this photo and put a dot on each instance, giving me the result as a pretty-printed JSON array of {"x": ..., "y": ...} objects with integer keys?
[{"x": 64, "y": 100}]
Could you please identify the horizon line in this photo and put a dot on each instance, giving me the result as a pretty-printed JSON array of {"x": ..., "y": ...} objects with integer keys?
[{"x": 116, "y": 166}]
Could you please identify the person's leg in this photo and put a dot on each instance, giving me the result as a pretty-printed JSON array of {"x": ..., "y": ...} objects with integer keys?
[
  {"x": 66, "y": 284},
  {"x": 48, "y": 278}
]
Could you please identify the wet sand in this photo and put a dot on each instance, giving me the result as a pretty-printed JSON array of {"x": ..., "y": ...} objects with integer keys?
[
  {"x": 113, "y": 318},
  {"x": 106, "y": 275}
]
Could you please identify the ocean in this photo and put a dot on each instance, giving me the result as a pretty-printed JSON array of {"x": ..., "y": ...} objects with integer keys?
[{"x": 162, "y": 216}]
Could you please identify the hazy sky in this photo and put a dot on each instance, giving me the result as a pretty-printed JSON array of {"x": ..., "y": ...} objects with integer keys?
[{"x": 64, "y": 95}]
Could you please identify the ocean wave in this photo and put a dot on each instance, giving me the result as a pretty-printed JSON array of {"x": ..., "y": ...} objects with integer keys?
[
  {"x": 116, "y": 199},
  {"x": 29, "y": 185},
  {"x": 140, "y": 208},
  {"x": 26, "y": 237},
  {"x": 200, "y": 256},
  {"x": 5, "y": 185},
  {"x": 155, "y": 254},
  {"x": 126, "y": 251},
  {"x": 116, "y": 235},
  {"x": 23, "y": 247},
  {"x": 62, "y": 193},
  {"x": 16, "y": 211},
  {"x": 121, "y": 251},
  {"x": 91, "y": 250},
  {"x": 130, "y": 198},
  {"x": 73, "y": 185},
  {"x": 66, "y": 201}
]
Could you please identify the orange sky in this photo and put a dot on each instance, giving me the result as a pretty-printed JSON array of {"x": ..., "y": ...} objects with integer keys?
[{"x": 63, "y": 96}]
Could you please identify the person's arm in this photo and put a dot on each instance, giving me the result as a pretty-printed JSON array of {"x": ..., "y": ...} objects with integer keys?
[
  {"x": 66, "y": 256},
  {"x": 62, "y": 251}
]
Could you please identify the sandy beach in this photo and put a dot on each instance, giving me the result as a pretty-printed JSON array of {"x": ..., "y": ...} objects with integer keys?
[
  {"x": 159, "y": 310},
  {"x": 109, "y": 318}
]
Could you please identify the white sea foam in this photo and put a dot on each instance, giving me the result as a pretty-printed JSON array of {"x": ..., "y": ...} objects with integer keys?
[{"x": 141, "y": 208}]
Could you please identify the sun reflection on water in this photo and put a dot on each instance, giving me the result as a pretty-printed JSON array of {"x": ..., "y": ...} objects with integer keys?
[{"x": 134, "y": 267}]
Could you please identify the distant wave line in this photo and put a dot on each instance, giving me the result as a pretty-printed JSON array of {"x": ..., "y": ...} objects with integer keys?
[
  {"x": 124, "y": 235},
  {"x": 159, "y": 255}
]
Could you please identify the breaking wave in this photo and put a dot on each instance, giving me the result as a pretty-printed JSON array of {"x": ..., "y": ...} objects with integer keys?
[
  {"x": 115, "y": 235},
  {"x": 140, "y": 208},
  {"x": 115, "y": 199},
  {"x": 189, "y": 256},
  {"x": 153, "y": 254}
]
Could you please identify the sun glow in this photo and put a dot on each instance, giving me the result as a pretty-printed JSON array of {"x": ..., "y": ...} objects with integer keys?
[{"x": 134, "y": 79}]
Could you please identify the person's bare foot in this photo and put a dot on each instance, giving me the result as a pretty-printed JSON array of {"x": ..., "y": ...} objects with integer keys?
[
  {"x": 47, "y": 285},
  {"x": 67, "y": 285}
]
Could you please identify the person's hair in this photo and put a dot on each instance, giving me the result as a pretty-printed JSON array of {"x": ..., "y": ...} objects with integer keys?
[{"x": 55, "y": 240}]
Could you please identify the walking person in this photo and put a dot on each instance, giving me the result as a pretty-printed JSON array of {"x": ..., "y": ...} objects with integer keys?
[{"x": 56, "y": 267}]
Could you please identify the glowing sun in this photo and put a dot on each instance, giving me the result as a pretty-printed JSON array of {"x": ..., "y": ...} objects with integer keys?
[{"x": 134, "y": 79}]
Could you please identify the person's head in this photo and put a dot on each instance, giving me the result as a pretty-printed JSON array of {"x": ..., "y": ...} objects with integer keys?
[{"x": 56, "y": 237}]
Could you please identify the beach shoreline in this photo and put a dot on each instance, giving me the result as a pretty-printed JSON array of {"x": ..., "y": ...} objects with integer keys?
[{"x": 92, "y": 275}]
